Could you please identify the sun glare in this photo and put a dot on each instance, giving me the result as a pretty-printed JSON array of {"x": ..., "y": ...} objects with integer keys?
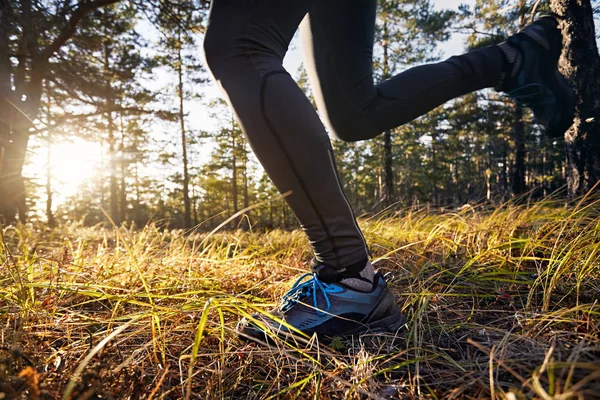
[{"x": 73, "y": 163}]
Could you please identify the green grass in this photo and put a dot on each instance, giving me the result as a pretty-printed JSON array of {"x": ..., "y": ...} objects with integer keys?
[{"x": 501, "y": 304}]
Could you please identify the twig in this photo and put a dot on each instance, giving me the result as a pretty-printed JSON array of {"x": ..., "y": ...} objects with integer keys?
[
  {"x": 534, "y": 9},
  {"x": 159, "y": 384}
]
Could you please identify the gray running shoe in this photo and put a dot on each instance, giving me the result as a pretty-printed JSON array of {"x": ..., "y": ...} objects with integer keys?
[
  {"x": 327, "y": 309},
  {"x": 538, "y": 85}
]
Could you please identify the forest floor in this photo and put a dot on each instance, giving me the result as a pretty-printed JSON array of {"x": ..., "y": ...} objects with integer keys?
[{"x": 501, "y": 303}]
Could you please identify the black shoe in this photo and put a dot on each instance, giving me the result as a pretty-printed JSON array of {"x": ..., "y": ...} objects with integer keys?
[
  {"x": 327, "y": 310},
  {"x": 538, "y": 85}
]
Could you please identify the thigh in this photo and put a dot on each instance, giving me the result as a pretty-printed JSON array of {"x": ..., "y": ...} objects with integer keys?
[
  {"x": 253, "y": 29},
  {"x": 338, "y": 39}
]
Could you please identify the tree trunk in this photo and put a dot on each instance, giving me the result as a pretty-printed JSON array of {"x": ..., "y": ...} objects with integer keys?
[
  {"x": 234, "y": 171},
  {"x": 12, "y": 185},
  {"x": 388, "y": 158},
  {"x": 194, "y": 206},
  {"x": 504, "y": 173},
  {"x": 112, "y": 151},
  {"x": 49, "y": 214},
  {"x": 544, "y": 178},
  {"x": 15, "y": 114},
  {"x": 434, "y": 191},
  {"x": 517, "y": 178},
  {"x": 245, "y": 180},
  {"x": 388, "y": 167},
  {"x": 186, "y": 177},
  {"x": 518, "y": 171},
  {"x": 580, "y": 62},
  {"x": 5, "y": 65},
  {"x": 5, "y": 92},
  {"x": 112, "y": 159},
  {"x": 122, "y": 183}
]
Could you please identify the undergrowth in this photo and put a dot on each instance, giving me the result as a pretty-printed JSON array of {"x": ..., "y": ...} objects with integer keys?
[{"x": 501, "y": 304}]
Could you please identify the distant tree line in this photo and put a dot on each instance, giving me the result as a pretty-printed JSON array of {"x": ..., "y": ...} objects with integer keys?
[{"x": 76, "y": 68}]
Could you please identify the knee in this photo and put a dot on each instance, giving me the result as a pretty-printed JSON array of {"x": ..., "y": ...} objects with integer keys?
[
  {"x": 349, "y": 136},
  {"x": 349, "y": 129}
]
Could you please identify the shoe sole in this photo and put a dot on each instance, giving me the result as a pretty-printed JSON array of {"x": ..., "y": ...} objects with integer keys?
[{"x": 390, "y": 324}]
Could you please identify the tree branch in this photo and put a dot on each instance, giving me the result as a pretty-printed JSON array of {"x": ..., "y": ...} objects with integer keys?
[
  {"x": 534, "y": 10},
  {"x": 80, "y": 12},
  {"x": 66, "y": 118}
]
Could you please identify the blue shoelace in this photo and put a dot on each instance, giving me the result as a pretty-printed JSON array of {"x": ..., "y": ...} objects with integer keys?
[{"x": 305, "y": 289}]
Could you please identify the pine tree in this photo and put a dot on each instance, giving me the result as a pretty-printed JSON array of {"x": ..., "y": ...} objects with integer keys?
[
  {"x": 229, "y": 161},
  {"x": 118, "y": 89},
  {"x": 491, "y": 22},
  {"x": 179, "y": 22},
  {"x": 408, "y": 32}
]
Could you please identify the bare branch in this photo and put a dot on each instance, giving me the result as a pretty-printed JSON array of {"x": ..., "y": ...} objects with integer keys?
[
  {"x": 80, "y": 12},
  {"x": 66, "y": 118},
  {"x": 534, "y": 9}
]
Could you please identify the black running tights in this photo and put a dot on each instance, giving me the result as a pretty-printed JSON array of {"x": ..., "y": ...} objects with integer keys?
[{"x": 245, "y": 43}]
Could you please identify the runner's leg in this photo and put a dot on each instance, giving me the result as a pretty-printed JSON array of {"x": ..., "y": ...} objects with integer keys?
[
  {"x": 338, "y": 40},
  {"x": 244, "y": 45}
]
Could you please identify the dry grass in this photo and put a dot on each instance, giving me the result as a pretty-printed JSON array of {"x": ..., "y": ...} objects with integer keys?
[{"x": 501, "y": 304}]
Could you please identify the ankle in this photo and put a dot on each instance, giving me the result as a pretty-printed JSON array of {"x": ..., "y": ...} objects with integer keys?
[
  {"x": 362, "y": 270},
  {"x": 363, "y": 281},
  {"x": 368, "y": 272}
]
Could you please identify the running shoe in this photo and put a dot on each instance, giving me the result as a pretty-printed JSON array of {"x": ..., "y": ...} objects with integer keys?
[
  {"x": 538, "y": 84},
  {"x": 328, "y": 310}
]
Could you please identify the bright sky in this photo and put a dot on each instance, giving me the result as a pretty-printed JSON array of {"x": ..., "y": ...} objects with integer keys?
[
  {"x": 76, "y": 162},
  {"x": 454, "y": 46}
]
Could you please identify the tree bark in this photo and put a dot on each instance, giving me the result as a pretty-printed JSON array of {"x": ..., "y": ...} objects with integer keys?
[
  {"x": 5, "y": 83},
  {"x": 245, "y": 178},
  {"x": 12, "y": 185},
  {"x": 388, "y": 158},
  {"x": 111, "y": 139},
  {"x": 518, "y": 171},
  {"x": 5, "y": 66},
  {"x": 186, "y": 177},
  {"x": 122, "y": 184},
  {"x": 518, "y": 184},
  {"x": 434, "y": 174},
  {"x": 580, "y": 62},
  {"x": 16, "y": 113},
  {"x": 49, "y": 214},
  {"x": 112, "y": 160},
  {"x": 49, "y": 194},
  {"x": 388, "y": 167},
  {"x": 234, "y": 170}
]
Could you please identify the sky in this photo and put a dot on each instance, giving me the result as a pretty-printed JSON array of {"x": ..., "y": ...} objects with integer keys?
[{"x": 454, "y": 46}]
